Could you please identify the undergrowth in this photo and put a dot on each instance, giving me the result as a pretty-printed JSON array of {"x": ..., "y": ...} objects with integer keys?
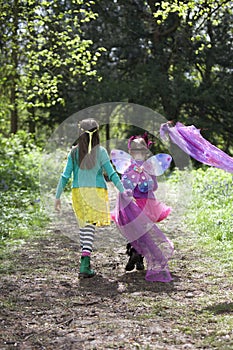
[
  {"x": 21, "y": 213},
  {"x": 210, "y": 210},
  {"x": 209, "y": 213}
]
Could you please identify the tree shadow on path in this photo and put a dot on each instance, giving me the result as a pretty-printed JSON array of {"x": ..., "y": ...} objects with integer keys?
[{"x": 221, "y": 308}]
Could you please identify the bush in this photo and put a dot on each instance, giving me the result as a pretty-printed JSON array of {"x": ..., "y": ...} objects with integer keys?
[
  {"x": 19, "y": 163},
  {"x": 19, "y": 187}
]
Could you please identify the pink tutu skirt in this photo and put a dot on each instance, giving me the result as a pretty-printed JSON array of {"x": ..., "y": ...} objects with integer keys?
[
  {"x": 154, "y": 209},
  {"x": 144, "y": 235}
]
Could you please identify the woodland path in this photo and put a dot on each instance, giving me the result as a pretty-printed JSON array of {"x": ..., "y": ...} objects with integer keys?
[{"x": 44, "y": 305}]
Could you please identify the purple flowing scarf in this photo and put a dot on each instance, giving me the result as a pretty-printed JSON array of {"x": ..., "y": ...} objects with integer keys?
[
  {"x": 145, "y": 237},
  {"x": 189, "y": 139}
]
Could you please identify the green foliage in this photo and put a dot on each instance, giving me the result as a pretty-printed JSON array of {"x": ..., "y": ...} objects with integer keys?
[
  {"x": 21, "y": 214},
  {"x": 19, "y": 163},
  {"x": 210, "y": 212},
  {"x": 174, "y": 57},
  {"x": 19, "y": 187},
  {"x": 43, "y": 49},
  {"x": 58, "y": 57},
  {"x": 52, "y": 165}
]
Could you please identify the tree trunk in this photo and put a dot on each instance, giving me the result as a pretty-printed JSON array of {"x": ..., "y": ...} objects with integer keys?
[
  {"x": 14, "y": 110},
  {"x": 31, "y": 121},
  {"x": 107, "y": 137},
  {"x": 14, "y": 76}
]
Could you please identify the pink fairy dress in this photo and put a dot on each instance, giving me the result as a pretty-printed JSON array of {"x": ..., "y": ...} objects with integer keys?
[
  {"x": 135, "y": 215},
  {"x": 143, "y": 192}
]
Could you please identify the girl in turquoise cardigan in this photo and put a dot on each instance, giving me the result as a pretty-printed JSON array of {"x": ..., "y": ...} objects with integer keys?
[{"x": 87, "y": 163}]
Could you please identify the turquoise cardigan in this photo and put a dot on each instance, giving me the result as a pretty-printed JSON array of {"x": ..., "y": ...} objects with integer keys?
[{"x": 89, "y": 177}]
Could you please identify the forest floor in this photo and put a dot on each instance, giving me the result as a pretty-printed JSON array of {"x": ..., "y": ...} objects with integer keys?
[{"x": 44, "y": 304}]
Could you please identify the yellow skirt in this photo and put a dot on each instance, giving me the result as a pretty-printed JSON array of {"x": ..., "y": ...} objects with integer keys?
[{"x": 91, "y": 206}]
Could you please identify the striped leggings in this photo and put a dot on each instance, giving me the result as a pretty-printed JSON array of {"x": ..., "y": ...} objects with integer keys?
[{"x": 86, "y": 235}]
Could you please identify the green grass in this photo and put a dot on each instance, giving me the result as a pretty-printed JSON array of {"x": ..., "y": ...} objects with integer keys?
[{"x": 210, "y": 212}]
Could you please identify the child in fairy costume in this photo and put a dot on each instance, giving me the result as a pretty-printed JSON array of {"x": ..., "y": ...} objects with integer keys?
[
  {"x": 143, "y": 186},
  {"x": 86, "y": 162}
]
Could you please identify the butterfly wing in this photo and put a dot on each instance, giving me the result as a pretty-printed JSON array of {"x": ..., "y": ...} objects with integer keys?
[
  {"x": 121, "y": 160},
  {"x": 158, "y": 164}
]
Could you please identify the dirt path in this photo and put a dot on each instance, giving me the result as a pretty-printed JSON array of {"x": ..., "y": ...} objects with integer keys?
[{"x": 44, "y": 305}]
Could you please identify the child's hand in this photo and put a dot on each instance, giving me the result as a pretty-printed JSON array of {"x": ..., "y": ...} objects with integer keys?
[
  {"x": 129, "y": 193},
  {"x": 57, "y": 204}
]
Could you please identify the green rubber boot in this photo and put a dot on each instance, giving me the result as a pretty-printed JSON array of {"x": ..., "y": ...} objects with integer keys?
[{"x": 85, "y": 270}]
